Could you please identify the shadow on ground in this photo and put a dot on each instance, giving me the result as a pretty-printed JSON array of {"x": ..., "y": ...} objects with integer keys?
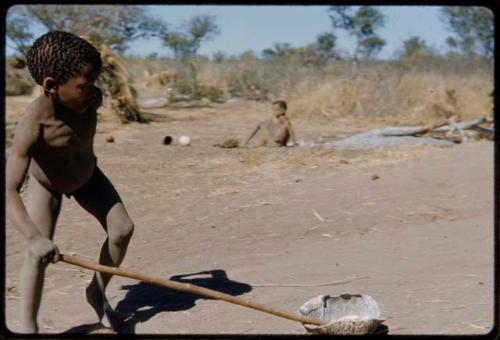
[{"x": 144, "y": 300}]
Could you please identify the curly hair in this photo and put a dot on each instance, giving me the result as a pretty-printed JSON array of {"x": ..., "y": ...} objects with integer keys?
[
  {"x": 61, "y": 55},
  {"x": 281, "y": 104}
]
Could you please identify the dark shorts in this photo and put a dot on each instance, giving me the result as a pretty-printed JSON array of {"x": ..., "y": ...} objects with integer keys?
[{"x": 96, "y": 177}]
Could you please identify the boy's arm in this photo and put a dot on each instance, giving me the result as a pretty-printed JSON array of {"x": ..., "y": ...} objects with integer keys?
[
  {"x": 254, "y": 131},
  {"x": 26, "y": 134}
]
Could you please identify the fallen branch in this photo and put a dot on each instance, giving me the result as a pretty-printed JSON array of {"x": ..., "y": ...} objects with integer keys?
[
  {"x": 453, "y": 123},
  {"x": 463, "y": 125},
  {"x": 485, "y": 132},
  {"x": 448, "y": 128}
]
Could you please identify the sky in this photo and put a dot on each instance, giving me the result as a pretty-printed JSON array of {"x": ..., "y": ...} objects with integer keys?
[{"x": 254, "y": 28}]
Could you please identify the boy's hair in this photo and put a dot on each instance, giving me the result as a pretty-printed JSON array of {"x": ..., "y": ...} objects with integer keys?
[
  {"x": 61, "y": 55},
  {"x": 281, "y": 103}
]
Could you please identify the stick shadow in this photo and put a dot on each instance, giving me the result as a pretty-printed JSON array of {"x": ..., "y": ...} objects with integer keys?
[{"x": 144, "y": 300}]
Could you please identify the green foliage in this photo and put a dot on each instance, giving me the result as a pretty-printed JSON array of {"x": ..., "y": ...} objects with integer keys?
[
  {"x": 415, "y": 48},
  {"x": 248, "y": 85},
  {"x": 325, "y": 43},
  {"x": 186, "y": 43},
  {"x": 115, "y": 26},
  {"x": 179, "y": 43},
  {"x": 183, "y": 90},
  {"x": 369, "y": 47},
  {"x": 315, "y": 54},
  {"x": 362, "y": 25},
  {"x": 219, "y": 57},
  {"x": 201, "y": 28},
  {"x": 473, "y": 29},
  {"x": 212, "y": 93}
]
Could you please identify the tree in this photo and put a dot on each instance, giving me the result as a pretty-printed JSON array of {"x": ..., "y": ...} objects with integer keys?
[
  {"x": 267, "y": 53},
  {"x": 219, "y": 57},
  {"x": 362, "y": 25},
  {"x": 201, "y": 28},
  {"x": 371, "y": 46},
  {"x": 415, "y": 47},
  {"x": 186, "y": 43},
  {"x": 179, "y": 43},
  {"x": 325, "y": 43},
  {"x": 105, "y": 26},
  {"x": 114, "y": 26},
  {"x": 16, "y": 29},
  {"x": 472, "y": 28}
]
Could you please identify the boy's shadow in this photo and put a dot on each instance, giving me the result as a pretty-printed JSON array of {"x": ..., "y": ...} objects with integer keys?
[{"x": 144, "y": 300}]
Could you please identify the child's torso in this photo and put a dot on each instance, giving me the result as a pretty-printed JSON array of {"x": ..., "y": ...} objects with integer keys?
[
  {"x": 63, "y": 159},
  {"x": 277, "y": 130}
]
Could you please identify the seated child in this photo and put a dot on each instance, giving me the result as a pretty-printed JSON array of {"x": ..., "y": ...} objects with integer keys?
[{"x": 277, "y": 130}]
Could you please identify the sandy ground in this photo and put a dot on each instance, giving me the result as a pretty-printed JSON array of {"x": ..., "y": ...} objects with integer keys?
[{"x": 278, "y": 227}]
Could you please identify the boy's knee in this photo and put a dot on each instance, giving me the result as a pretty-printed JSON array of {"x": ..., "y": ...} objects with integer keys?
[{"x": 121, "y": 232}]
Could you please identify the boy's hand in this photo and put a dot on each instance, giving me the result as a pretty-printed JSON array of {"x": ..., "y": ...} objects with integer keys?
[{"x": 43, "y": 249}]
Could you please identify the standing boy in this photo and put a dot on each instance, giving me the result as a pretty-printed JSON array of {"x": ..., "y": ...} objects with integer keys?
[{"x": 54, "y": 141}]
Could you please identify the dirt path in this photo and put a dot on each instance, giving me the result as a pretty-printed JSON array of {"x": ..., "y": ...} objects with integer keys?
[{"x": 419, "y": 239}]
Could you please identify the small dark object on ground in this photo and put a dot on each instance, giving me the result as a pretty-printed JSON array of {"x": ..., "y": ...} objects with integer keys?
[
  {"x": 167, "y": 140},
  {"x": 374, "y": 177},
  {"x": 229, "y": 143},
  {"x": 110, "y": 139}
]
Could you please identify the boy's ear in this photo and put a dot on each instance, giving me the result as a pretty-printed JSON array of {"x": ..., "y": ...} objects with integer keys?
[{"x": 49, "y": 85}]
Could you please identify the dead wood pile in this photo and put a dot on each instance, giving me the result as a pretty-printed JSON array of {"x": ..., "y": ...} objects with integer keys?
[{"x": 452, "y": 130}]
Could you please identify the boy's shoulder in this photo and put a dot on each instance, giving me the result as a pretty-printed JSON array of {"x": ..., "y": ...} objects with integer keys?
[
  {"x": 284, "y": 119},
  {"x": 39, "y": 108}
]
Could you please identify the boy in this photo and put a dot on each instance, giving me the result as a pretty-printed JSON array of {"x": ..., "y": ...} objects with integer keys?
[
  {"x": 277, "y": 129},
  {"x": 54, "y": 141}
]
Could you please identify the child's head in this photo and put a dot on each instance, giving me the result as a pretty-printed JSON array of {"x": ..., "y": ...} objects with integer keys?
[
  {"x": 66, "y": 66},
  {"x": 61, "y": 55},
  {"x": 279, "y": 107}
]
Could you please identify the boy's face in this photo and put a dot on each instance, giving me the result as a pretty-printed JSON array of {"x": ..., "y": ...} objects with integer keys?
[
  {"x": 278, "y": 110},
  {"x": 79, "y": 92}
]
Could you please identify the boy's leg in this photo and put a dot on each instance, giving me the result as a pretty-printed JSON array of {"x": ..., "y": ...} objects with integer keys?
[
  {"x": 43, "y": 208},
  {"x": 100, "y": 198}
]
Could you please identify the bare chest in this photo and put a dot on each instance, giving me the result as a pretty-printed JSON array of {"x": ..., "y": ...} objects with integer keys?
[
  {"x": 76, "y": 134},
  {"x": 275, "y": 127}
]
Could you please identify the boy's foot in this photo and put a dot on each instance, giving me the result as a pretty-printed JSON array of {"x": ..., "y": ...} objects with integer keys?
[
  {"x": 96, "y": 299},
  {"x": 108, "y": 317}
]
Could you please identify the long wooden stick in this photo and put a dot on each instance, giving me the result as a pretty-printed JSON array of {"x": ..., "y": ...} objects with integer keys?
[{"x": 187, "y": 287}]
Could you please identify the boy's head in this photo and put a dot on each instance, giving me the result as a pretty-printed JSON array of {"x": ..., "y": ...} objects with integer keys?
[
  {"x": 279, "y": 107},
  {"x": 66, "y": 66}
]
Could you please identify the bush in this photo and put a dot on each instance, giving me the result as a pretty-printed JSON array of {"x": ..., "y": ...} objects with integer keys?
[
  {"x": 18, "y": 83},
  {"x": 212, "y": 93}
]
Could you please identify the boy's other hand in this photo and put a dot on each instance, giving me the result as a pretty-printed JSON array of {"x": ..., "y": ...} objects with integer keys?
[{"x": 44, "y": 250}]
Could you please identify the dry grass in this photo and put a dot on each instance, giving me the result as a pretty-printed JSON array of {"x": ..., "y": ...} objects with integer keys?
[
  {"x": 383, "y": 93},
  {"x": 397, "y": 93},
  {"x": 407, "y": 99}
]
